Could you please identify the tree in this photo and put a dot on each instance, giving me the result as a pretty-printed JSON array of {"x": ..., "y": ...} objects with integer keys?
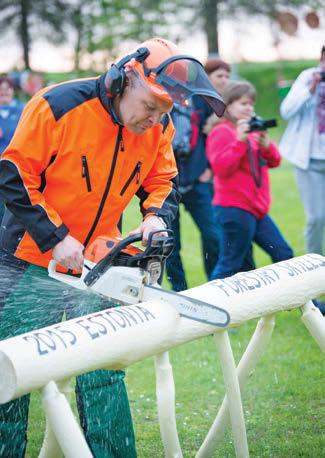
[
  {"x": 269, "y": 9},
  {"x": 206, "y": 14},
  {"x": 107, "y": 25},
  {"x": 31, "y": 18},
  {"x": 210, "y": 20}
]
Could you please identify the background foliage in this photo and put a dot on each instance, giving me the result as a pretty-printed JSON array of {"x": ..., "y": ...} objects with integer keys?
[{"x": 104, "y": 25}]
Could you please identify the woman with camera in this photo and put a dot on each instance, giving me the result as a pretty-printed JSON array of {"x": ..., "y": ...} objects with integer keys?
[
  {"x": 303, "y": 144},
  {"x": 240, "y": 154}
]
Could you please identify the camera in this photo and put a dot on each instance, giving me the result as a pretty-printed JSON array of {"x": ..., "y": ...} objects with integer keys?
[
  {"x": 257, "y": 123},
  {"x": 322, "y": 74}
]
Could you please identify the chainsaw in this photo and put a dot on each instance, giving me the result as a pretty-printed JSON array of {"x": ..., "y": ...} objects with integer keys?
[{"x": 127, "y": 274}]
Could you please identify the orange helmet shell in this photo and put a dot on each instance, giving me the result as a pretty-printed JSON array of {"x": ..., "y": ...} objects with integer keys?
[{"x": 160, "y": 50}]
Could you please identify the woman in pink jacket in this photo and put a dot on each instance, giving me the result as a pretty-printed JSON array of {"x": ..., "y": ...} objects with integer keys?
[{"x": 240, "y": 160}]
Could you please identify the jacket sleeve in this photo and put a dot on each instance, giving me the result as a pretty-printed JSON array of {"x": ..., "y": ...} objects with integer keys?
[
  {"x": 224, "y": 151},
  {"x": 272, "y": 155},
  {"x": 22, "y": 168},
  {"x": 298, "y": 95},
  {"x": 159, "y": 191}
]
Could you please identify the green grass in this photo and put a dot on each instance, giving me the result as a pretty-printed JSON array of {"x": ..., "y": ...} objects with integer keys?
[{"x": 284, "y": 399}]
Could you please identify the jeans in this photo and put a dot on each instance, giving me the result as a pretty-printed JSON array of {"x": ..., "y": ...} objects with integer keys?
[
  {"x": 238, "y": 229},
  {"x": 197, "y": 202},
  {"x": 2, "y": 210}
]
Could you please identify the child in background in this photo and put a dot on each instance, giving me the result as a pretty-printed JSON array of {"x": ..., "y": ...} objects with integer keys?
[{"x": 240, "y": 160}]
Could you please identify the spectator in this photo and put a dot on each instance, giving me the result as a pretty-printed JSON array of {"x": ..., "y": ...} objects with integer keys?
[
  {"x": 10, "y": 111},
  {"x": 195, "y": 178},
  {"x": 81, "y": 151},
  {"x": 27, "y": 83},
  {"x": 240, "y": 161},
  {"x": 31, "y": 82},
  {"x": 303, "y": 144}
]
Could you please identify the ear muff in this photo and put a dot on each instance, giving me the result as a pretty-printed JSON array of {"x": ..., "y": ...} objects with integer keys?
[{"x": 115, "y": 78}]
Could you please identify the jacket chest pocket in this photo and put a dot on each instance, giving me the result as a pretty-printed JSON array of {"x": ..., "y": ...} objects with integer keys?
[
  {"x": 135, "y": 175},
  {"x": 85, "y": 172}
]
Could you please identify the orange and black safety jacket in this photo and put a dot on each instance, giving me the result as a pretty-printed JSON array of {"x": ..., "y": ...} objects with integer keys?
[{"x": 72, "y": 168}]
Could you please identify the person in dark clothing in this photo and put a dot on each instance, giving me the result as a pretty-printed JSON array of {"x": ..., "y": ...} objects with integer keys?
[
  {"x": 10, "y": 112},
  {"x": 195, "y": 184}
]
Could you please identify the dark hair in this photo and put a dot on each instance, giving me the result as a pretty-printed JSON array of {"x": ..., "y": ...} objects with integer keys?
[
  {"x": 5, "y": 79},
  {"x": 214, "y": 64},
  {"x": 322, "y": 53}
]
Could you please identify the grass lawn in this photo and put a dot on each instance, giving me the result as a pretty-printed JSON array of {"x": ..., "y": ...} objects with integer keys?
[{"x": 284, "y": 400}]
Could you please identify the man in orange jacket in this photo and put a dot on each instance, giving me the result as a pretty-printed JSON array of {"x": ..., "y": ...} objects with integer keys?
[{"x": 81, "y": 151}]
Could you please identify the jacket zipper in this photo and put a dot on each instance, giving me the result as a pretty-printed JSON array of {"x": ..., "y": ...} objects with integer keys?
[
  {"x": 85, "y": 172},
  {"x": 135, "y": 173},
  {"x": 108, "y": 185}
]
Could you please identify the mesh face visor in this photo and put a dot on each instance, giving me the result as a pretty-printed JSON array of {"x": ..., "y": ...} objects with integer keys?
[{"x": 182, "y": 77}]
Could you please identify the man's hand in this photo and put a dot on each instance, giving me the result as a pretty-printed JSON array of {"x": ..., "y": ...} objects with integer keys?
[
  {"x": 69, "y": 253},
  {"x": 150, "y": 224}
]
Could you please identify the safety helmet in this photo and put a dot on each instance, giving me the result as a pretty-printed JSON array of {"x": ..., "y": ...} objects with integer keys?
[
  {"x": 160, "y": 50},
  {"x": 167, "y": 73},
  {"x": 174, "y": 77}
]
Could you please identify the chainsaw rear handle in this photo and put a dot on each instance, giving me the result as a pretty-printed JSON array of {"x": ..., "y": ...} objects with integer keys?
[{"x": 96, "y": 272}]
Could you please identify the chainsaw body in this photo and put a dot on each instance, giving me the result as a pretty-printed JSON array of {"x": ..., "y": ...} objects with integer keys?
[
  {"x": 118, "y": 269},
  {"x": 127, "y": 275}
]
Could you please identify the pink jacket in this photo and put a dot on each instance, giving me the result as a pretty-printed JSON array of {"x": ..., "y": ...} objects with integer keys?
[{"x": 234, "y": 184}]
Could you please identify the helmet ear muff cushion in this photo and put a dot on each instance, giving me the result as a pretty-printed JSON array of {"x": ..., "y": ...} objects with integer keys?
[{"x": 115, "y": 80}]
